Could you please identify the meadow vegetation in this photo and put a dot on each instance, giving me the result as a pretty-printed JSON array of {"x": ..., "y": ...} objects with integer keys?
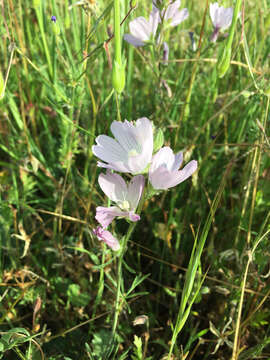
[{"x": 194, "y": 279}]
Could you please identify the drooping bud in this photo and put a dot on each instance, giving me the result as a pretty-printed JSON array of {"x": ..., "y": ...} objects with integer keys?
[{"x": 133, "y": 4}]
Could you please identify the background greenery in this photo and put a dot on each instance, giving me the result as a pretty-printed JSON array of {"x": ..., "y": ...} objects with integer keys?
[{"x": 57, "y": 280}]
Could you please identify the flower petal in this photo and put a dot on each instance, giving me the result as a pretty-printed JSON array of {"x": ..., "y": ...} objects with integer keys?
[
  {"x": 178, "y": 159},
  {"x": 105, "y": 215},
  {"x": 125, "y": 134},
  {"x": 140, "y": 28},
  {"x": 214, "y": 13},
  {"x": 114, "y": 186},
  {"x": 226, "y": 18},
  {"x": 107, "y": 149},
  {"x": 163, "y": 172},
  {"x": 134, "y": 217},
  {"x": 119, "y": 166},
  {"x": 171, "y": 10},
  {"x": 179, "y": 17},
  {"x": 135, "y": 190},
  {"x": 183, "y": 174},
  {"x": 107, "y": 237},
  {"x": 133, "y": 40},
  {"x": 163, "y": 158},
  {"x": 154, "y": 20}
]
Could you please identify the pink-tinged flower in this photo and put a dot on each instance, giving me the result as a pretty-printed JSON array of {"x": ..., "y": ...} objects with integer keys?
[
  {"x": 164, "y": 173},
  {"x": 171, "y": 14},
  {"x": 107, "y": 237},
  {"x": 221, "y": 18},
  {"x": 130, "y": 151},
  {"x": 126, "y": 197},
  {"x": 141, "y": 30}
]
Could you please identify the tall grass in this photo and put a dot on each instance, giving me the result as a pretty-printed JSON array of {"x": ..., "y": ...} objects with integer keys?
[{"x": 197, "y": 264}]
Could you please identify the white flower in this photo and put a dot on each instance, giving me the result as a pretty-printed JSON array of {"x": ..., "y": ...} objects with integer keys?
[
  {"x": 164, "y": 173},
  {"x": 221, "y": 18},
  {"x": 171, "y": 14},
  {"x": 141, "y": 30},
  {"x": 126, "y": 197},
  {"x": 130, "y": 151}
]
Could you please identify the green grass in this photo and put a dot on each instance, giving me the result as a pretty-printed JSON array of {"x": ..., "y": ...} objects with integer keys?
[{"x": 197, "y": 264}]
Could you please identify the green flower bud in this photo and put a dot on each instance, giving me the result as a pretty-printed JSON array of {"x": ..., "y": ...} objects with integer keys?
[
  {"x": 36, "y": 3},
  {"x": 158, "y": 140},
  {"x": 133, "y": 4},
  {"x": 224, "y": 62},
  {"x": 267, "y": 91},
  {"x": 118, "y": 76},
  {"x": 55, "y": 28}
]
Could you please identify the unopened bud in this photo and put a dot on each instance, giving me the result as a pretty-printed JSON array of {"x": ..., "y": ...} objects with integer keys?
[
  {"x": 55, "y": 26},
  {"x": 224, "y": 62},
  {"x": 267, "y": 91},
  {"x": 118, "y": 76},
  {"x": 133, "y": 4},
  {"x": 36, "y": 3},
  {"x": 158, "y": 140}
]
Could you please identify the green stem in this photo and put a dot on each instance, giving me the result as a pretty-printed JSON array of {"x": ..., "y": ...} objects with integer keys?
[
  {"x": 118, "y": 99},
  {"x": 119, "y": 278},
  {"x": 117, "y": 32},
  {"x": 119, "y": 268}
]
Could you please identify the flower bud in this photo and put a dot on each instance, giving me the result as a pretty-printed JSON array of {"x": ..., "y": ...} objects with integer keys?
[
  {"x": 158, "y": 140},
  {"x": 224, "y": 62},
  {"x": 36, "y": 4},
  {"x": 56, "y": 29},
  {"x": 133, "y": 4},
  {"x": 118, "y": 76},
  {"x": 267, "y": 91}
]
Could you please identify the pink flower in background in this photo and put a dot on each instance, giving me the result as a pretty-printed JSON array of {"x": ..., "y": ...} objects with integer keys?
[
  {"x": 171, "y": 14},
  {"x": 107, "y": 237},
  {"x": 126, "y": 197},
  {"x": 221, "y": 18},
  {"x": 141, "y": 30},
  {"x": 166, "y": 51},
  {"x": 130, "y": 151},
  {"x": 164, "y": 173}
]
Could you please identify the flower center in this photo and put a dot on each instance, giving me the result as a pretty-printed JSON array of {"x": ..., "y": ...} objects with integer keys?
[
  {"x": 124, "y": 205},
  {"x": 132, "y": 153}
]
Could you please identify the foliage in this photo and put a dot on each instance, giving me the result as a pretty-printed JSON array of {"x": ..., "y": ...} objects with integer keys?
[{"x": 186, "y": 264}]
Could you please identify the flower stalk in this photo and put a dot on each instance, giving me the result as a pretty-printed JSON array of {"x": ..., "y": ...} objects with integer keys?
[
  {"x": 119, "y": 268},
  {"x": 118, "y": 72}
]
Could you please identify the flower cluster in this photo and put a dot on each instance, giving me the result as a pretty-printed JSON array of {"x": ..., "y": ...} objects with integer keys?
[
  {"x": 143, "y": 32},
  {"x": 132, "y": 151}
]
